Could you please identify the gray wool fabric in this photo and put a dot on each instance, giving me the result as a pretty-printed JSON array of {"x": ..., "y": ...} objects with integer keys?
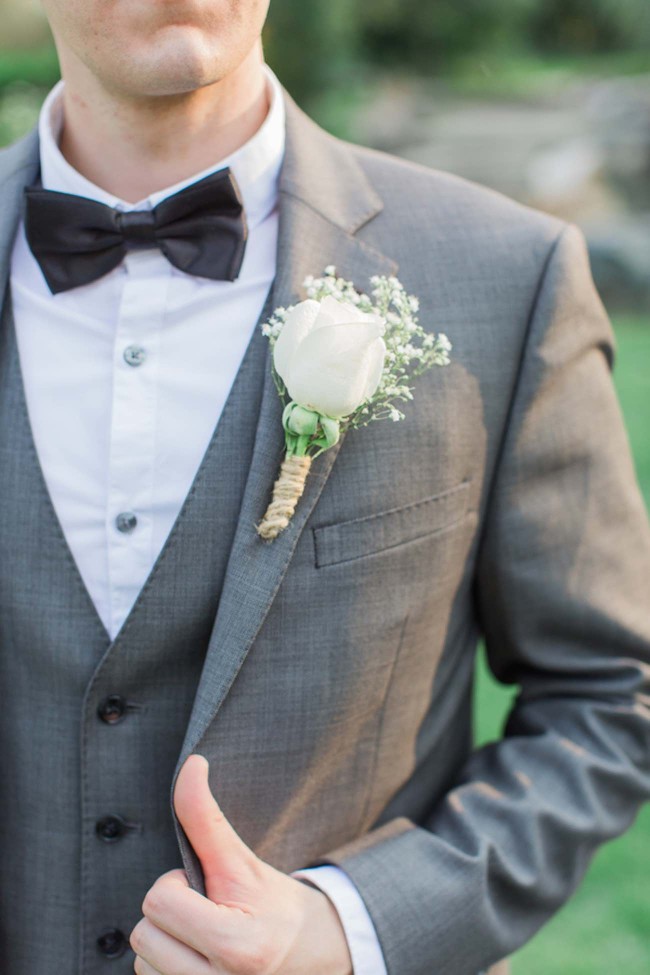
[{"x": 327, "y": 676}]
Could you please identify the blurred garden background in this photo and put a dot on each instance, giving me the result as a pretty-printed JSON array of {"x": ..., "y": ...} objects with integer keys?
[{"x": 547, "y": 101}]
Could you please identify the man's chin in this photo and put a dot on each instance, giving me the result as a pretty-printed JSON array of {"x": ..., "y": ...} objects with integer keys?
[
  {"x": 169, "y": 87},
  {"x": 172, "y": 74}
]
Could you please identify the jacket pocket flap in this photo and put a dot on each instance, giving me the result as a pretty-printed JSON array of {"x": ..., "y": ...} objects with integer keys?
[{"x": 353, "y": 539}]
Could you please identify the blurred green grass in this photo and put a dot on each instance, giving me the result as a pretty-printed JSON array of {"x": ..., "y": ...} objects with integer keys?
[
  {"x": 605, "y": 927},
  {"x": 513, "y": 74},
  {"x": 35, "y": 66}
]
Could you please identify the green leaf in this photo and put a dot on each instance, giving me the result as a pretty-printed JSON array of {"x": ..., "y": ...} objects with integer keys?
[
  {"x": 302, "y": 420},
  {"x": 286, "y": 413},
  {"x": 331, "y": 430}
]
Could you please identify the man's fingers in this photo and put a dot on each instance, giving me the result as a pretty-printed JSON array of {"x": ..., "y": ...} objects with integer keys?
[
  {"x": 142, "y": 967},
  {"x": 176, "y": 875},
  {"x": 186, "y": 915},
  {"x": 166, "y": 954},
  {"x": 224, "y": 856}
]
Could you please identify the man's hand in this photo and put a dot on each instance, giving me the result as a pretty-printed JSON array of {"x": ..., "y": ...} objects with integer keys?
[{"x": 254, "y": 920}]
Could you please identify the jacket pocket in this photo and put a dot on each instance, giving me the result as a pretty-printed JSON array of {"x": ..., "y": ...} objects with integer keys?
[{"x": 354, "y": 539}]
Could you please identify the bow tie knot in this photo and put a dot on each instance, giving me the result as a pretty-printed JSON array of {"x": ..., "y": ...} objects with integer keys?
[
  {"x": 201, "y": 230},
  {"x": 137, "y": 226}
]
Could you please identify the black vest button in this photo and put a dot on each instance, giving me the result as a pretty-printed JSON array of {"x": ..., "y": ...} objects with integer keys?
[
  {"x": 112, "y": 709},
  {"x": 110, "y": 828},
  {"x": 112, "y": 943}
]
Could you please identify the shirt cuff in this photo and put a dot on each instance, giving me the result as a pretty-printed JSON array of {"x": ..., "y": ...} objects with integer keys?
[{"x": 366, "y": 954}]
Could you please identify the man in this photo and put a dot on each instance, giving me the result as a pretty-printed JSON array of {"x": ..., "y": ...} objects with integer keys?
[{"x": 326, "y": 676}]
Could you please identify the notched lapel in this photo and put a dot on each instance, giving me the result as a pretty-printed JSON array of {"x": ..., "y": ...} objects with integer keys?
[{"x": 317, "y": 222}]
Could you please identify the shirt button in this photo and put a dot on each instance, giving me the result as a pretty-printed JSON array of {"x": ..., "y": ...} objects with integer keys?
[
  {"x": 112, "y": 709},
  {"x": 126, "y": 522},
  {"x": 112, "y": 943},
  {"x": 110, "y": 828},
  {"x": 134, "y": 355}
]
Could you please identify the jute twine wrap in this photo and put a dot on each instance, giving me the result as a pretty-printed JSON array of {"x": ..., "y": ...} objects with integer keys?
[{"x": 286, "y": 492}]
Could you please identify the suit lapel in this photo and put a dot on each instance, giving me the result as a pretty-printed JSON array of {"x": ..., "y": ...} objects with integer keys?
[
  {"x": 18, "y": 168},
  {"x": 324, "y": 198}
]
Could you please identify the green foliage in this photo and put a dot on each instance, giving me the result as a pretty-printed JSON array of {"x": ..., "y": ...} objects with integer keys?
[
  {"x": 585, "y": 26},
  {"x": 19, "y": 107},
  {"x": 25, "y": 77},
  {"x": 314, "y": 45},
  {"x": 311, "y": 46},
  {"x": 631, "y": 379},
  {"x": 38, "y": 67},
  {"x": 528, "y": 74},
  {"x": 432, "y": 35}
]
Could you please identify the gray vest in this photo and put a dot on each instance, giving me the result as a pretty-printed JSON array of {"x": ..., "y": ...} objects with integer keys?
[{"x": 91, "y": 730}]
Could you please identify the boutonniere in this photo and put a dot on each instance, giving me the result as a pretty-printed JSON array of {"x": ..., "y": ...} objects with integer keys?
[{"x": 341, "y": 359}]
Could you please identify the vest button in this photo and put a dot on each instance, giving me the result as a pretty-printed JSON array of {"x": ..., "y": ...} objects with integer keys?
[
  {"x": 110, "y": 828},
  {"x": 112, "y": 709},
  {"x": 112, "y": 943}
]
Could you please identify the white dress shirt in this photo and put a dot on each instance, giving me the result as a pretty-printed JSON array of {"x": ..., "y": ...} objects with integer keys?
[{"x": 125, "y": 379}]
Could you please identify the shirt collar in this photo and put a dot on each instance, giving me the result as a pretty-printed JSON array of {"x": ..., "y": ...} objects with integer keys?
[{"x": 256, "y": 165}]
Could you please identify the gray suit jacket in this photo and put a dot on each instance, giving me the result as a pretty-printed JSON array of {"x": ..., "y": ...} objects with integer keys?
[{"x": 335, "y": 701}]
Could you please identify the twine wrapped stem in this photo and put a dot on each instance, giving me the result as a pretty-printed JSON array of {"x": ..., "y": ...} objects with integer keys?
[
  {"x": 307, "y": 434},
  {"x": 286, "y": 491}
]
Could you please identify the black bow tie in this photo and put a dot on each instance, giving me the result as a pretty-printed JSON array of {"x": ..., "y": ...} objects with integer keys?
[{"x": 201, "y": 230}]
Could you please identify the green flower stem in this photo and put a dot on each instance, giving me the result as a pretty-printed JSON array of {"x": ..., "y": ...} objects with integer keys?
[
  {"x": 291, "y": 441},
  {"x": 302, "y": 444}
]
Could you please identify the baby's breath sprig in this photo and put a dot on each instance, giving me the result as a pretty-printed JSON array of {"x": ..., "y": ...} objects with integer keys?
[{"x": 410, "y": 349}]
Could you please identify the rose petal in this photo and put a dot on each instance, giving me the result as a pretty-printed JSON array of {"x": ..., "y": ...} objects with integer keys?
[
  {"x": 377, "y": 356},
  {"x": 330, "y": 370},
  {"x": 299, "y": 323},
  {"x": 338, "y": 311}
]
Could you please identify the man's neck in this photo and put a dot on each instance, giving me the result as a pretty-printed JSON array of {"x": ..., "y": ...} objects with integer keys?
[{"x": 132, "y": 149}]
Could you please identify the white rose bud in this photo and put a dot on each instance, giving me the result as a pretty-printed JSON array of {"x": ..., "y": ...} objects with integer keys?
[{"x": 330, "y": 355}]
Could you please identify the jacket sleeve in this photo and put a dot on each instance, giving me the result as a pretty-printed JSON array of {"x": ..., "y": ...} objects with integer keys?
[{"x": 562, "y": 590}]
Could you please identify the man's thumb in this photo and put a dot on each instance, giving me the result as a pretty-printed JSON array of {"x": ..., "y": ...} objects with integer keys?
[{"x": 223, "y": 855}]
